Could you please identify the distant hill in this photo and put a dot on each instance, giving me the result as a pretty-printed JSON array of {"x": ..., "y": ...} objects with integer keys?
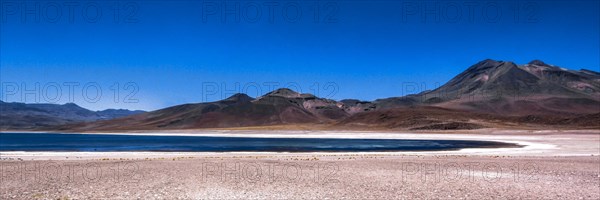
[{"x": 21, "y": 116}]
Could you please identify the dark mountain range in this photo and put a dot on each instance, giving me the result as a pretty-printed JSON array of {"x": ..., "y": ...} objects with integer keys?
[
  {"x": 488, "y": 94},
  {"x": 31, "y": 116}
]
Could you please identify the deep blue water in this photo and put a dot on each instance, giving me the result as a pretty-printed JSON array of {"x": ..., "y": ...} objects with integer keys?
[{"x": 97, "y": 142}]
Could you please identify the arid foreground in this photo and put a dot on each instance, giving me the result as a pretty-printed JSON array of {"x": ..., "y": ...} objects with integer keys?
[{"x": 555, "y": 165}]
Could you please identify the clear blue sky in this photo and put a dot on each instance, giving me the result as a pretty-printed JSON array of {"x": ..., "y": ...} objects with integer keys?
[{"x": 365, "y": 49}]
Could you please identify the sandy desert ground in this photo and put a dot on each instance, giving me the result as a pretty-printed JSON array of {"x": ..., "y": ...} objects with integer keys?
[{"x": 552, "y": 165}]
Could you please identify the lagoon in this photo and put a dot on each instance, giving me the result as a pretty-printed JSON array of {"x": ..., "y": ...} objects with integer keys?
[{"x": 58, "y": 142}]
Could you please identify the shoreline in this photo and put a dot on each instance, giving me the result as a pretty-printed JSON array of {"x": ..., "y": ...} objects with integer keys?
[{"x": 544, "y": 144}]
